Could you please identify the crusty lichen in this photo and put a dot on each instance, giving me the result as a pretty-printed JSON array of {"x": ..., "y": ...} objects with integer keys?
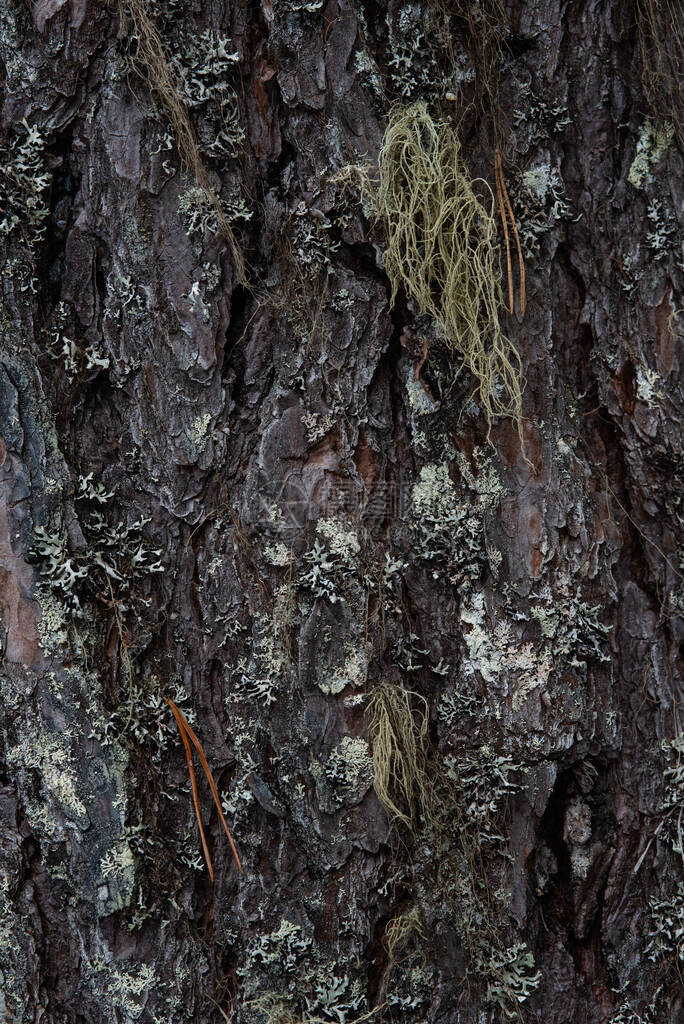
[
  {"x": 286, "y": 977},
  {"x": 346, "y": 776},
  {"x": 52, "y": 758},
  {"x": 25, "y": 182},
  {"x": 652, "y": 144}
]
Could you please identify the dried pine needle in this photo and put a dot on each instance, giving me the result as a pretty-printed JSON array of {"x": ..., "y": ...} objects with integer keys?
[{"x": 186, "y": 732}]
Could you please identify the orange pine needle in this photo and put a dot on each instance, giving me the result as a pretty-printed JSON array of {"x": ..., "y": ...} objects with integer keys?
[
  {"x": 193, "y": 782},
  {"x": 501, "y": 190},
  {"x": 186, "y": 731}
]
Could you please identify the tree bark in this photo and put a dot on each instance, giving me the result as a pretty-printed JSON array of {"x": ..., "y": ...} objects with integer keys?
[{"x": 273, "y": 499}]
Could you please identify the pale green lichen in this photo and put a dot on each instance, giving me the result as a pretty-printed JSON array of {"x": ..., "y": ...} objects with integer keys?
[
  {"x": 201, "y": 214},
  {"x": 52, "y": 758},
  {"x": 666, "y": 936},
  {"x": 422, "y": 404},
  {"x": 17, "y": 952},
  {"x": 286, "y": 976},
  {"x": 662, "y": 229},
  {"x": 449, "y": 530},
  {"x": 498, "y": 655},
  {"x": 539, "y": 200},
  {"x": 512, "y": 977},
  {"x": 198, "y": 434},
  {"x": 115, "y": 556},
  {"x": 331, "y": 560},
  {"x": 353, "y": 672},
  {"x": 117, "y": 868},
  {"x": 123, "y": 985},
  {"x": 203, "y": 67},
  {"x": 25, "y": 182},
  {"x": 260, "y": 673},
  {"x": 346, "y": 776},
  {"x": 652, "y": 144},
  {"x": 53, "y": 626},
  {"x": 278, "y": 554}
]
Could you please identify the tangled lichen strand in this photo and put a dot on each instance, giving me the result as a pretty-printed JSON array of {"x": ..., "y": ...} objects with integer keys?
[
  {"x": 398, "y": 744},
  {"x": 441, "y": 250},
  {"x": 660, "y": 33},
  {"x": 147, "y": 59}
]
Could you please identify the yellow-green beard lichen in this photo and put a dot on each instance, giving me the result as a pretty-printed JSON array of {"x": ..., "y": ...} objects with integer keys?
[
  {"x": 398, "y": 739},
  {"x": 442, "y": 250}
]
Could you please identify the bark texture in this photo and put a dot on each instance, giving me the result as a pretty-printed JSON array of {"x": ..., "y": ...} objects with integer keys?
[{"x": 274, "y": 501}]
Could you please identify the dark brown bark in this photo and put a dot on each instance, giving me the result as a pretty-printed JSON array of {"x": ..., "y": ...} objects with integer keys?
[{"x": 263, "y": 501}]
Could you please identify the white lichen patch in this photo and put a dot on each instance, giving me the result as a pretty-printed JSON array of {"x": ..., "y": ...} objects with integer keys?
[
  {"x": 353, "y": 672},
  {"x": 347, "y": 775},
  {"x": 123, "y": 986},
  {"x": 201, "y": 215},
  {"x": 117, "y": 868},
  {"x": 260, "y": 673},
  {"x": 652, "y": 144},
  {"x": 331, "y": 560},
  {"x": 52, "y": 625},
  {"x": 539, "y": 199},
  {"x": 648, "y": 389},
  {"x": 434, "y": 495},
  {"x": 449, "y": 530},
  {"x": 196, "y": 302},
  {"x": 497, "y": 654},
  {"x": 342, "y": 539},
  {"x": 278, "y": 554},
  {"x": 537, "y": 180},
  {"x": 422, "y": 404},
  {"x": 317, "y": 425},
  {"x": 51, "y": 758},
  {"x": 287, "y": 977},
  {"x": 197, "y": 434}
]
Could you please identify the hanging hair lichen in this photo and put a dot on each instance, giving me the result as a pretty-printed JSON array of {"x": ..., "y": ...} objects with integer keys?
[
  {"x": 397, "y": 736},
  {"x": 442, "y": 251},
  {"x": 148, "y": 60},
  {"x": 484, "y": 28},
  {"x": 400, "y": 929},
  {"x": 660, "y": 33}
]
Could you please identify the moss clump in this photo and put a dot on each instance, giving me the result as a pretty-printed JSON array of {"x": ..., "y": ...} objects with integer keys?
[
  {"x": 398, "y": 737},
  {"x": 441, "y": 249}
]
